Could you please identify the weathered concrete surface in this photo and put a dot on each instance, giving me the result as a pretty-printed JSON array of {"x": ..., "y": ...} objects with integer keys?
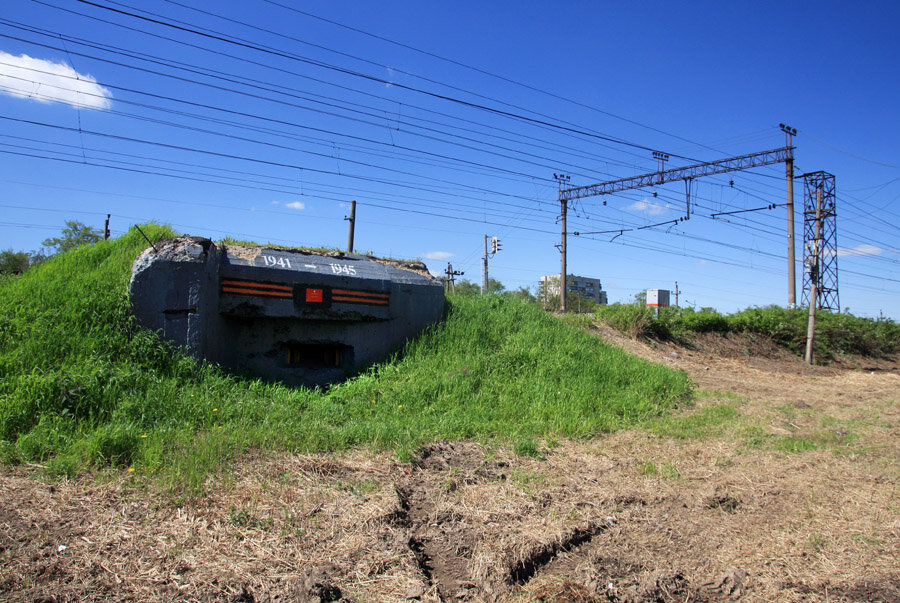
[{"x": 300, "y": 317}]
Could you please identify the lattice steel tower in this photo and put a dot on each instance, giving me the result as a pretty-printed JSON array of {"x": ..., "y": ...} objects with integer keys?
[{"x": 820, "y": 240}]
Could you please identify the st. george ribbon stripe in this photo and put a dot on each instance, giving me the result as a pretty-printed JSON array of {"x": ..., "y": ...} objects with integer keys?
[
  {"x": 360, "y": 297},
  {"x": 286, "y": 291},
  {"x": 361, "y": 293},
  {"x": 256, "y": 288}
]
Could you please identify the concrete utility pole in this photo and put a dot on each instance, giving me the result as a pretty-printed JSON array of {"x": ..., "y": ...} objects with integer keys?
[
  {"x": 563, "y": 206},
  {"x": 814, "y": 279},
  {"x": 495, "y": 247},
  {"x": 676, "y": 294},
  {"x": 352, "y": 220},
  {"x": 789, "y": 133},
  {"x": 484, "y": 283},
  {"x": 106, "y": 228}
]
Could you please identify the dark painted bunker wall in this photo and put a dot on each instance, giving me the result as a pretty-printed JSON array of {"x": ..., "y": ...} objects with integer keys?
[{"x": 300, "y": 317}]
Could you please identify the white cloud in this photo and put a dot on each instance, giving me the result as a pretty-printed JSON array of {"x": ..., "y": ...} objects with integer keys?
[
  {"x": 859, "y": 250},
  {"x": 437, "y": 255},
  {"x": 46, "y": 81},
  {"x": 649, "y": 207},
  {"x": 295, "y": 205}
]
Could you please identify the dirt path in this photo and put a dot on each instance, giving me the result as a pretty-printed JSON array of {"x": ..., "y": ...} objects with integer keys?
[{"x": 791, "y": 494}]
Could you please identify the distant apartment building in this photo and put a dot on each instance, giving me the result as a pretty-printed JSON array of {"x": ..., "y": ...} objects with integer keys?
[{"x": 591, "y": 288}]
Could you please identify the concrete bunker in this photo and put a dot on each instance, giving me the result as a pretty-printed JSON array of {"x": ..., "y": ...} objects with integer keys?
[{"x": 302, "y": 317}]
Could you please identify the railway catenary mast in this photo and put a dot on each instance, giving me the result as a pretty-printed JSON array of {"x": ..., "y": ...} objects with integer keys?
[{"x": 687, "y": 174}]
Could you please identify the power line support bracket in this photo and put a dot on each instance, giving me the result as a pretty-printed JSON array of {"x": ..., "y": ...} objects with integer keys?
[{"x": 820, "y": 245}]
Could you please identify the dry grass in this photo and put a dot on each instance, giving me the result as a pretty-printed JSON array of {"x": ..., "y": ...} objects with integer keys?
[{"x": 631, "y": 515}]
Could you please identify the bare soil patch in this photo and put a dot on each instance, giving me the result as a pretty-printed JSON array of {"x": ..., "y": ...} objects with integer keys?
[{"x": 795, "y": 499}]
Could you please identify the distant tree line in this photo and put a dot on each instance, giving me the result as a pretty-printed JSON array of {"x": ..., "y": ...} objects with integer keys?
[
  {"x": 575, "y": 301},
  {"x": 74, "y": 234}
]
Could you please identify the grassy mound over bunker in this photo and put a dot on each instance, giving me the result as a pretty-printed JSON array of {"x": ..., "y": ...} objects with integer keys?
[{"x": 81, "y": 386}]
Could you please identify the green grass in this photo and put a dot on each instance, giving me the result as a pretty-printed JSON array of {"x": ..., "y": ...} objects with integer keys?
[
  {"x": 530, "y": 482},
  {"x": 711, "y": 421},
  {"x": 527, "y": 447},
  {"x": 665, "y": 471},
  {"x": 757, "y": 438},
  {"x": 81, "y": 386},
  {"x": 647, "y": 468}
]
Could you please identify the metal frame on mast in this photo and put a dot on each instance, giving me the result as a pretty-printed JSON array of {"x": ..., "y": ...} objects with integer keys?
[
  {"x": 687, "y": 174},
  {"x": 820, "y": 244}
]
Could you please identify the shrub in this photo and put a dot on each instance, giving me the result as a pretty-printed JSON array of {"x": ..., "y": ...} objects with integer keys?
[
  {"x": 634, "y": 320},
  {"x": 785, "y": 326},
  {"x": 835, "y": 332},
  {"x": 704, "y": 321}
]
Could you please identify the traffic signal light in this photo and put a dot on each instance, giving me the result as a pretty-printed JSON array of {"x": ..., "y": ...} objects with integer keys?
[{"x": 495, "y": 244}]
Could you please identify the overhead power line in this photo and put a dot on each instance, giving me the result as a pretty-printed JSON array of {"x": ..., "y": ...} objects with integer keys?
[
  {"x": 331, "y": 103},
  {"x": 293, "y": 57},
  {"x": 477, "y": 70}
]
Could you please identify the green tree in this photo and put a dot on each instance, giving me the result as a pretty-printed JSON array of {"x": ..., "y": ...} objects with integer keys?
[
  {"x": 37, "y": 257},
  {"x": 467, "y": 287},
  {"x": 525, "y": 293},
  {"x": 75, "y": 234},
  {"x": 575, "y": 302},
  {"x": 579, "y": 302},
  {"x": 14, "y": 262},
  {"x": 495, "y": 286}
]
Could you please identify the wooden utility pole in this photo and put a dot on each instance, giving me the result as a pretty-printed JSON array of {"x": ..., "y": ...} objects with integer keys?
[
  {"x": 789, "y": 133},
  {"x": 814, "y": 279},
  {"x": 352, "y": 220},
  {"x": 451, "y": 277}
]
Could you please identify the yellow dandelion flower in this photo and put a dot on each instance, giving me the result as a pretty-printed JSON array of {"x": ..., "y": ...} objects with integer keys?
[
  {"x": 131, "y": 470},
  {"x": 215, "y": 410},
  {"x": 143, "y": 435},
  {"x": 399, "y": 406}
]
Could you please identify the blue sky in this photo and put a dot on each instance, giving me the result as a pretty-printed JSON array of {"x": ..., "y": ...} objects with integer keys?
[{"x": 446, "y": 121}]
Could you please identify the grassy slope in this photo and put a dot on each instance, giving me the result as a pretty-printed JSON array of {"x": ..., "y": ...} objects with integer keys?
[{"x": 80, "y": 386}]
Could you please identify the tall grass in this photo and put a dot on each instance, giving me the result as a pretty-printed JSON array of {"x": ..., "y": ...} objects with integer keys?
[
  {"x": 81, "y": 386},
  {"x": 835, "y": 332}
]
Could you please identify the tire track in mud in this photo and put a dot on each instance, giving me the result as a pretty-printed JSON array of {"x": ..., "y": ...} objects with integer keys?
[
  {"x": 516, "y": 564},
  {"x": 541, "y": 554},
  {"x": 444, "y": 543},
  {"x": 441, "y": 547}
]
